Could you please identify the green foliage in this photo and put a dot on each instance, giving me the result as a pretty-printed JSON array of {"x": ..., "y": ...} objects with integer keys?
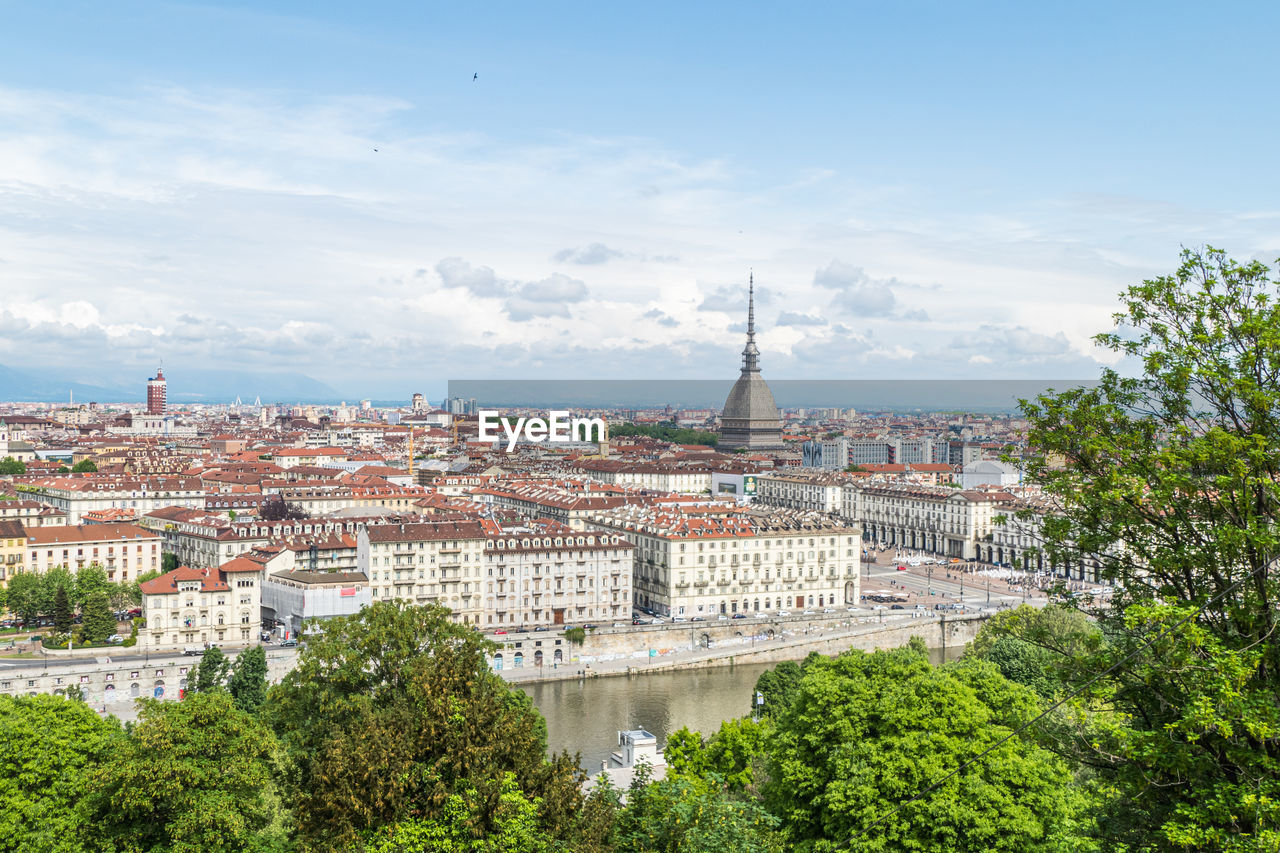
[
  {"x": 62, "y": 611},
  {"x": 513, "y": 828},
  {"x": 391, "y": 712},
  {"x": 63, "y": 469},
  {"x": 90, "y": 579},
  {"x": 50, "y": 581},
  {"x": 667, "y": 432},
  {"x": 577, "y": 636},
  {"x": 1029, "y": 644},
  {"x": 248, "y": 682},
  {"x": 85, "y": 466},
  {"x": 99, "y": 621},
  {"x": 10, "y": 467},
  {"x": 210, "y": 673},
  {"x": 25, "y": 592},
  {"x": 168, "y": 562},
  {"x": 685, "y": 755},
  {"x": 778, "y": 686},
  {"x": 192, "y": 776},
  {"x": 1170, "y": 481},
  {"x": 867, "y": 732},
  {"x": 47, "y": 746},
  {"x": 683, "y": 815}
]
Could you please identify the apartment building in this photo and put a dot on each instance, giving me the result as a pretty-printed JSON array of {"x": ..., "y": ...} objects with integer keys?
[
  {"x": 430, "y": 562},
  {"x": 13, "y": 549},
  {"x": 549, "y": 574},
  {"x": 123, "y": 550},
  {"x": 948, "y": 522},
  {"x": 803, "y": 490},
  {"x": 745, "y": 561},
  {"x": 78, "y": 495},
  {"x": 194, "y": 607}
]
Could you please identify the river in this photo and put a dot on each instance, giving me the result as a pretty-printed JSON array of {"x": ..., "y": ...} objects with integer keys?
[{"x": 585, "y": 716}]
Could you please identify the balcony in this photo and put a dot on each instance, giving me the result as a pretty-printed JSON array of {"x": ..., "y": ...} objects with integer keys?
[{"x": 700, "y": 583}]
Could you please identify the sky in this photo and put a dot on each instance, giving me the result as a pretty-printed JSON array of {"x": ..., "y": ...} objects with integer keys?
[{"x": 387, "y": 196}]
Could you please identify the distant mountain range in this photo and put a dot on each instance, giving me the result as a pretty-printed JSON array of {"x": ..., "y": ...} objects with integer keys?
[{"x": 34, "y": 385}]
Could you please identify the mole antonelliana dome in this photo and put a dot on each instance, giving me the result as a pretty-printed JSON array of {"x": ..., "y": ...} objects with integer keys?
[{"x": 750, "y": 418}]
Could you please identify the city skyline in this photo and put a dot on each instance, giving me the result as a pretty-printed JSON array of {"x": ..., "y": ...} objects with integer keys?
[{"x": 957, "y": 194}]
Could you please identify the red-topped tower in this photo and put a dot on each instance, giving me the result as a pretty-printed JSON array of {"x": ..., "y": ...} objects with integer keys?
[{"x": 156, "y": 393}]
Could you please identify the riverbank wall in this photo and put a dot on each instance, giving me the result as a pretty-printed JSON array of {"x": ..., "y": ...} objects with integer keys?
[{"x": 769, "y": 646}]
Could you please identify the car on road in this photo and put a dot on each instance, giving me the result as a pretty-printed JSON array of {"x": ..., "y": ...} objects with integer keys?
[
  {"x": 657, "y": 620},
  {"x": 679, "y": 619},
  {"x": 192, "y": 651},
  {"x": 897, "y": 607},
  {"x": 828, "y": 610},
  {"x": 698, "y": 619},
  {"x": 784, "y": 612},
  {"x": 637, "y": 621},
  {"x": 739, "y": 616},
  {"x": 808, "y": 613},
  {"x": 289, "y": 643},
  {"x": 879, "y": 607},
  {"x": 499, "y": 633},
  {"x": 591, "y": 626},
  {"x": 902, "y": 568}
]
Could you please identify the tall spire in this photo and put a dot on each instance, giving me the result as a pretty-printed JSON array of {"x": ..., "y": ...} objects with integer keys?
[{"x": 751, "y": 353}]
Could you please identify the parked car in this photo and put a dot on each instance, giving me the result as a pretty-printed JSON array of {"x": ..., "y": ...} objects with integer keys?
[
  {"x": 657, "y": 620},
  {"x": 739, "y": 616},
  {"x": 289, "y": 643},
  {"x": 540, "y": 628},
  {"x": 828, "y": 610},
  {"x": 679, "y": 619},
  {"x": 897, "y": 607},
  {"x": 698, "y": 619},
  {"x": 115, "y": 638},
  {"x": 784, "y": 612}
]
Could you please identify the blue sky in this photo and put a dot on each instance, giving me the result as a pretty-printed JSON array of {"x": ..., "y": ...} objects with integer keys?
[{"x": 922, "y": 189}]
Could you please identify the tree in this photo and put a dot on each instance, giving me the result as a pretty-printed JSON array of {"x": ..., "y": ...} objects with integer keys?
[
  {"x": 63, "y": 469},
  {"x": 85, "y": 466},
  {"x": 248, "y": 682},
  {"x": 192, "y": 776},
  {"x": 210, "y": 673},
  {"x": 514, "y": 827},
  {"x": 1028, "y": 643},
  {"x": 687, "y": 815},
  {"x": 48, "y": 745},
  {"x": 1169, "y": 482},
  {"x": 99, "y": 621},
  {"x": 390, "y": 712},
  {"x": 777, "y": 686},
  {"x": 26, "y": 592},
  {"x": 855, "y": 753},
  {"x": 90, "y": 579},
  {"x": 10, "y": 467},
  {"x": 50, "y": 581},
  {"x": 168, "y": 562},
  {"x": 62, "y": 611},
  {"x": 277, "y": 509}
]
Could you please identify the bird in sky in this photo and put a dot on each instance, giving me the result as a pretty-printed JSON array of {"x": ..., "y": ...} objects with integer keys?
[
  {"x": 475, "y": 77},
  {"x": 377, "y": 149}
]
